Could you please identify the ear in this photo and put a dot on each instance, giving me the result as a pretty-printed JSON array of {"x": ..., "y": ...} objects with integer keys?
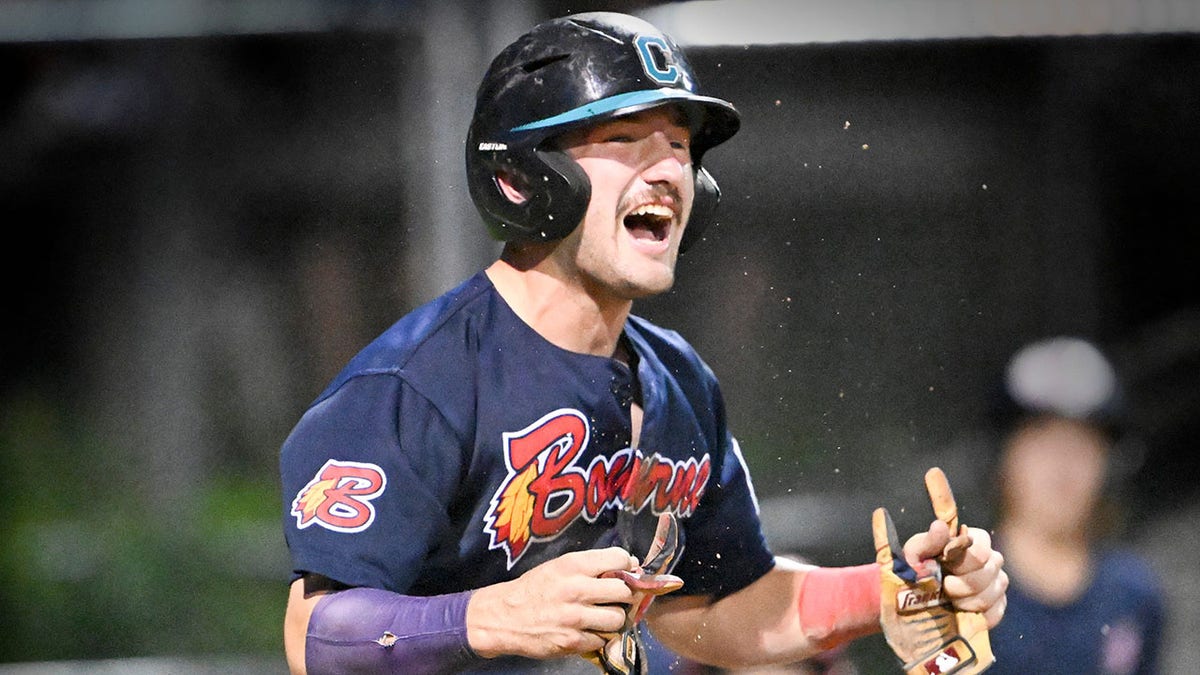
[{"x": 512, "y": 187}]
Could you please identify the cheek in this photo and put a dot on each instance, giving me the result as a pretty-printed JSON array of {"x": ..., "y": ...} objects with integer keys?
[
  {"x": 1057, "y": 476},
  {"x": 688, "y": 190},
  {"x": 607, "y": 177},
  {"x": 1027, "y": 483},
  {"x": 1034, "y": 471}
]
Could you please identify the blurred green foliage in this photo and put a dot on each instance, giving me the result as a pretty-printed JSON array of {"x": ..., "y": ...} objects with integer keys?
[{"x": 87, "y": 570}]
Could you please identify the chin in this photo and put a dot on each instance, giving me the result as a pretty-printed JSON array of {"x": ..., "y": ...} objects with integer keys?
[{"x": 650, "y": 287}]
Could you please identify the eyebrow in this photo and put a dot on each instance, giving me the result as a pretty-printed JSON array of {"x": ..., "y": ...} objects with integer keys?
[
  {"x": 678, "y": 115},
  {"x": 678, "y": 118}
]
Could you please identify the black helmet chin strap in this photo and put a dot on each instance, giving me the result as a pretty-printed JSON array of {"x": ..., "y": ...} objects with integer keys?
[{"x": 704, "y": 207}]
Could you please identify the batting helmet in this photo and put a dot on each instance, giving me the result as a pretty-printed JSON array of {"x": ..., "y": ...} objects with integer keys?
[
  {"x": 564, "y": 74},
  {"x": 1062, "y": 377}
]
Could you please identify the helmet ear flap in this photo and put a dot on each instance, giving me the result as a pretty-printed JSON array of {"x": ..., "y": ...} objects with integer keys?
[
  {"x": 562, "y": 207},
  {"x": 556, "y": 188},
  {"x": 704, "y": 207}
]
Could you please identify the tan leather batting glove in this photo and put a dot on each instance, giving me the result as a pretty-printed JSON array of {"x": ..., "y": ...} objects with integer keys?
[
  {"x": 919, "y": 623},
  {"x": 624, "y": 653}
]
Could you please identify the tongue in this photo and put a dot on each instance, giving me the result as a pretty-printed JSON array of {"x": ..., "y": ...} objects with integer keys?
[
  {"x": 639, "y": 232},
  {"x": 641, "y": 228}
]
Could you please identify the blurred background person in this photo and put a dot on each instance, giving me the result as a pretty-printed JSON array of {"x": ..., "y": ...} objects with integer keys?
[{"x": 1079, "y": 600}]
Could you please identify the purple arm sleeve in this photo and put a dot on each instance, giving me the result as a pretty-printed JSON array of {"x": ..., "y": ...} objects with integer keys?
[{"x": 368, "y": 630}]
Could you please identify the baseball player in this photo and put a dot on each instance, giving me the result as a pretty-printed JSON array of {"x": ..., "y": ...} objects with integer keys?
[
  {"x": 508, "y": 476},
  {"x": 1081, "y": 599}
]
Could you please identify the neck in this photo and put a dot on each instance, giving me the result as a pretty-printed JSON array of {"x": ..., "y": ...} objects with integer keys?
[
  {"x": 1055, "y": 567},
  {"x": 1025, "y": 535},
  {"x": 562, "y": 310}
]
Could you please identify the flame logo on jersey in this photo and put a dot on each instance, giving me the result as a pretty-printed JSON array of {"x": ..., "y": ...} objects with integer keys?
[
  {"x": 339, "y": 497},
  {"x": 545, "y": 490}
]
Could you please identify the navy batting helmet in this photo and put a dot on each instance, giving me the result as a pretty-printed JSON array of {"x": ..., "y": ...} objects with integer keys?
[{"x": 564, "y": 74}]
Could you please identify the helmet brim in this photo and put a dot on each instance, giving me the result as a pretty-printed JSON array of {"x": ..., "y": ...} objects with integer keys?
[{"x": 713, "y": 120}]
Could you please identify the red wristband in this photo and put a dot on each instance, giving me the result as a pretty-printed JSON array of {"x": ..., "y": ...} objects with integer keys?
[{"x": 839, "y": 604}]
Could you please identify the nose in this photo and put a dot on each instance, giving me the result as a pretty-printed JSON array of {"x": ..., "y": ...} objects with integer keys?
[{"x": 664, "y": 163}]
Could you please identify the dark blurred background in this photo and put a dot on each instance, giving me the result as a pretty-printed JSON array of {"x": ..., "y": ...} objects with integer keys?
[{"x": 211, "y": 206}]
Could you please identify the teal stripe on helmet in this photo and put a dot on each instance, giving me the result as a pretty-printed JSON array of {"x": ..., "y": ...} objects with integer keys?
[{"x": 605, "y": 106}]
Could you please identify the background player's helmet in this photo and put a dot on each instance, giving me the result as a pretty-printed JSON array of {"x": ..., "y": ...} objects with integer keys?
[
  {"x": 1062, "y": 377},
  {"x": 568, "y": 73},
  {"x": 1065, "y": 377}
]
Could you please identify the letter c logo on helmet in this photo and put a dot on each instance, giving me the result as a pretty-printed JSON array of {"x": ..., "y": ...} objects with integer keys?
[
  {"x": 568, "y": 73},
  {"x": 652, "y": 49}
]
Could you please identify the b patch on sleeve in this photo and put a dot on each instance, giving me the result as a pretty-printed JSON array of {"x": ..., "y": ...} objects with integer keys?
[{"x": 339, "y": 497}]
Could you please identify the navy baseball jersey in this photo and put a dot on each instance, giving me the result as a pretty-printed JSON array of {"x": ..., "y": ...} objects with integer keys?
[
  {"x": 1113, "y": 628},
  {"x": 460, "y": 449}
]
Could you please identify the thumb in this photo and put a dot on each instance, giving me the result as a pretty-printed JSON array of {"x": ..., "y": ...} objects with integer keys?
[{"x": 927, "y": 545}]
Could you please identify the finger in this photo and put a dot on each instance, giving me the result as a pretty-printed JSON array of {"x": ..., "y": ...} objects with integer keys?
[
  {"x": 976, "y": 554},
  {"x": 975, "y": 600},
  {"x": 593, "y": 562},
  {"x": 887, "y": 542},
  {"x": 977, "y": 590},
  {"x": 995, "y": 613},
  {"x": 955, "y": 551},
  {"x": 882, "y": 530},
  {"x": 927, "y": 545},
  {"x": 941, "y": 497},
  {"x": 604, "y": 618},
  {"x": 607, "y": 589},
  {"x": 989, "y": 603},
  {"x": 654, "y": 584},
  {"x": 980, "y": 537}
]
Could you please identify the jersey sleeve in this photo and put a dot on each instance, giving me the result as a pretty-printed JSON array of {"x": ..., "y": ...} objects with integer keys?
[
  {"x": 724, "y": 548},
  {"x": 366, "y": 475}
]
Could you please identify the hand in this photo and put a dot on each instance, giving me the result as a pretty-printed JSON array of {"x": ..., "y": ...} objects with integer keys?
[
  {"x": 559, "y": 608},
  {"x": 624, "y": 654},
  {"x": 938, "y": 603},
  {"x": 973, "y": 574},
  {"x": 974, "y": 577}
]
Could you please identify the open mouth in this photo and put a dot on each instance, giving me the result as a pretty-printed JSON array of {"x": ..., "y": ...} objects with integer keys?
[{"x": 651, "y": 222}]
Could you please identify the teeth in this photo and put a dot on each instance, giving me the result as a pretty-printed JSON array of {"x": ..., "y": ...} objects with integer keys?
[{"x": 653, "y": 210}]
